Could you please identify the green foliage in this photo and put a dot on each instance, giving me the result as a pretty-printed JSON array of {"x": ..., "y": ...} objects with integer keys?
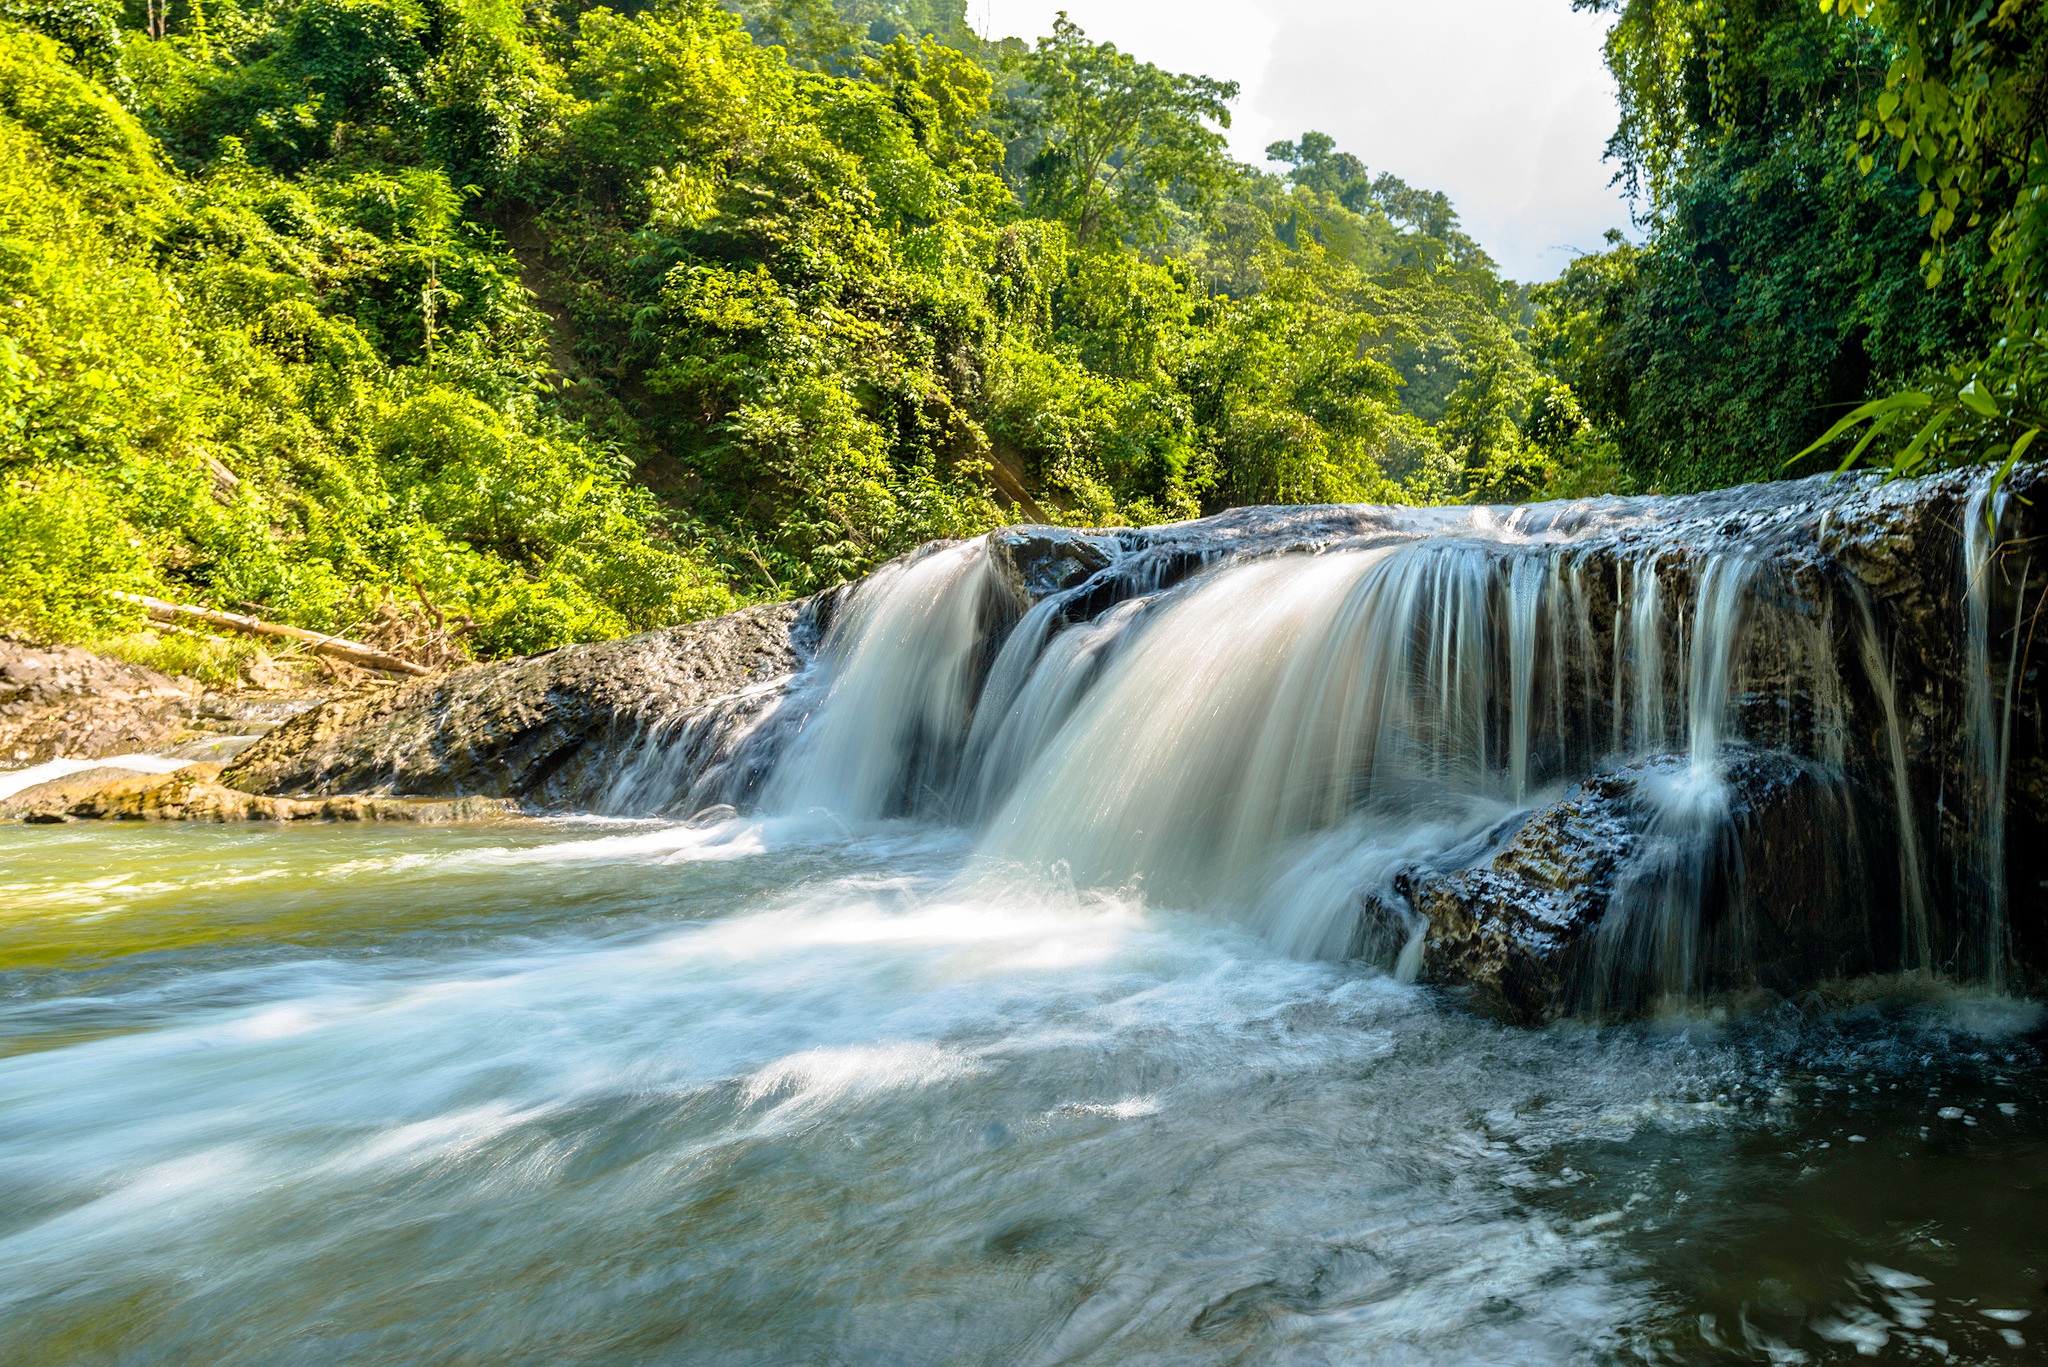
[
  {"x": 1113, "y": 144},
  {"x": 226, "y": 388},
  {"x": 1965, "y": 106},
  {"x": 1789, "y": 274},
  {"x": 581, "y": 321},
  {"x": 61, "y": 547}
]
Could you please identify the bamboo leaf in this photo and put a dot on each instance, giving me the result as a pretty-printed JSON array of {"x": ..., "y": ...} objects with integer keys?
[
  {"x": 1895, "y": 403},
  {"x": 2019, "y": 448},
  {"x": 1877, "y": 429},
  {"x": 1908, "y": 460},
  {"x": 1976, "y": 400}
]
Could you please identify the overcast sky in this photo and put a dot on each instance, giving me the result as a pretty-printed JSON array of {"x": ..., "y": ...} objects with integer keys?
[{"x": 1501, "y": 104}]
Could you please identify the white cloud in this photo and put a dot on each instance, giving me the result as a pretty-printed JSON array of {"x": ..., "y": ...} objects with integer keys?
[{"x": 1502, "y": 104}]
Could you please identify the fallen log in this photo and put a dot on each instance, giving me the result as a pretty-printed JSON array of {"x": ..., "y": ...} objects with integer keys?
[{"x": 354, "y": 652}]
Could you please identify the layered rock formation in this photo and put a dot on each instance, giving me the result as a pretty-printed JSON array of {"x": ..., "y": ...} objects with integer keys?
[
  {"x": 58, "y": 700},
  {"x": 557, "y": 730},
  {"x": 195, "y": 793}
]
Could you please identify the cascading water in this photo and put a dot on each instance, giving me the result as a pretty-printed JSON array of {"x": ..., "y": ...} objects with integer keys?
[
  {"x": 895, "y": 693},
  {"x": 998, "y": 1064},
  {"x": 1287, "y": 730},
  {"x": 1989, "y": 711}
]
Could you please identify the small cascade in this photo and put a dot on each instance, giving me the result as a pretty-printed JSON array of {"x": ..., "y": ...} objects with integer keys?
[
  {"x": 1036, "y": 683},
  {"x": 1305, "y": 720},
  {"x": 1652, "y": 935},
  {"x": 1982, "y": 744},
  {"x": 1916, "y": 934},
  {"x": 1720, "y": 607},
  {"x": 883, "y": 721},
  {"x": 1645, "y": 658}
]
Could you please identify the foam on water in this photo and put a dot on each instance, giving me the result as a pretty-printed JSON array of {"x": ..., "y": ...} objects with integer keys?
[{"x": 865, "y": 1106}]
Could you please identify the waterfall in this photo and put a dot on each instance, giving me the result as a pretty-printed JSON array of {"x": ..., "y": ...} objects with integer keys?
[
  {"x": 1988, "y": 711},
  {"x": 1916, "y": 934},
  {"x": 882, "y": 723},
  {"x": 1288, "y": 721},
  {"x": 1646, "y": 657},
  {"x": 1717, "y": 623}
]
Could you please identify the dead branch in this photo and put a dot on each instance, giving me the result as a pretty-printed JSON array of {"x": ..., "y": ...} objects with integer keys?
[{"x": 354, "y": 652}]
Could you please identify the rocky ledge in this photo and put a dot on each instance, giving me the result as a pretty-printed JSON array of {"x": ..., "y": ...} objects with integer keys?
[
  {"x": 195, "y": 793},
  {"x": 553, "y": 730}
]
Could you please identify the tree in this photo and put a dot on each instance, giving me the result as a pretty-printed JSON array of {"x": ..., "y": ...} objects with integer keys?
[
  {"x": 1965, "y": 106},
  {"x": 1777, "y": 288},
  {"x": 1114, "y": 141}
]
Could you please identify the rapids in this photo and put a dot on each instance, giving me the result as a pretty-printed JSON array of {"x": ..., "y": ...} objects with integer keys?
[
  {"x": 748, "y": 1093},
  {"x": 1042, "y": 975}
]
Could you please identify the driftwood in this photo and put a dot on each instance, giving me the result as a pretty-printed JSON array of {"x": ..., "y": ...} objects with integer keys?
[{"x": 354, "y": 652}]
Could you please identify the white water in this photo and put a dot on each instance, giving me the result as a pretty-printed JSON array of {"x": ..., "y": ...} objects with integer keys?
[
  {"x": 1279, "y": 738},
  {"x": 1988, "y": 706},
  {"x": 568, "y": 1094},
  {"x": 895, "y": 693}
]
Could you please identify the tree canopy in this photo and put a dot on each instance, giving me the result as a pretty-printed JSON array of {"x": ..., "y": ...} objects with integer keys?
[
  {"x": 571, "y": 320},
  {"x": 1842, "y": 209}
]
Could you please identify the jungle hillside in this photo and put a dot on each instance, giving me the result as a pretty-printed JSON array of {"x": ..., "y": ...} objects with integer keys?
[{"x": 485, "y": 328}]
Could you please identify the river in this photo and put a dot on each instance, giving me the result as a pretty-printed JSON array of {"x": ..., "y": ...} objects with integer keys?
[{"x": 759, "y": 1092}]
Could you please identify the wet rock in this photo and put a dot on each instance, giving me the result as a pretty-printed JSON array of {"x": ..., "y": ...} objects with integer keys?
[
  {"x": 1566, "y": 910},
  {"x": 1038, "y": 562},
  {"x": 552, "y": 729},
  {"x": 1517, "y": 926}
]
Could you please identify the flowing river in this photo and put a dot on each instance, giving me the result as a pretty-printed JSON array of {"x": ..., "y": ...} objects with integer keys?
[
  {"x": 1035, "y": 981},
  {"x": 587, "y": 1091}
]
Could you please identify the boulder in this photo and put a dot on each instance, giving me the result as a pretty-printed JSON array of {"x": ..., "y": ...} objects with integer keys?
[
  {"x": 554, "y": 730},
  {"x": 1037, "y": 562},
  {"x": 1566, "y": 910}
]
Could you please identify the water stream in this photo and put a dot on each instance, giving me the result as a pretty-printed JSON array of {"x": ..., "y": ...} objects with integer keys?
[
  {"x": 1029, "y": 1011},
  {"x": 613, "y": 1092}
]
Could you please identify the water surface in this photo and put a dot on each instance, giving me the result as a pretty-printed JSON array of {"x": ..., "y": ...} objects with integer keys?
[{"x": 606, "y": 1092}]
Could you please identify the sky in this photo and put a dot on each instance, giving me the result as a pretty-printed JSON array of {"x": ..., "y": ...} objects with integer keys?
[{"x": 1501, "y": 104}]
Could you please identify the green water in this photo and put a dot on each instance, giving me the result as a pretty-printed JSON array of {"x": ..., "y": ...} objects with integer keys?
[{"x": 577, "y": 1092}]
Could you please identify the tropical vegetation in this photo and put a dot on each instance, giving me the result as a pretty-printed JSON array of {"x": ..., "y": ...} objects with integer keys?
[{"x": 562, "y": 321}]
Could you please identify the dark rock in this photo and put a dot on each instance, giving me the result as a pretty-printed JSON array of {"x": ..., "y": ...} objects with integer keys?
[
  {"x": 1038, "y": 562},
  {"x": 1516, "y": 926},
  {"x": 555, "y": 729},
  {"x": 1566, "y": 911}
]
